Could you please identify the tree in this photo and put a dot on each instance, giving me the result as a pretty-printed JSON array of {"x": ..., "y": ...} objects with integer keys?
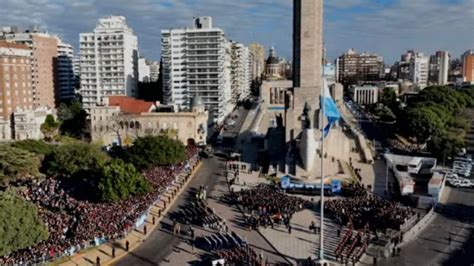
[
  {"x": 20, "y": 225},
  {"x": 50, "y": 127},
  {"x": 74, "y": 119},
  {"x": 16, "y": 163},
  {"x": 72, "y": 159},
  {"x": 421, "y": 123},
  {"x": 445, "y": 145},
  {"x": 155, "y": 150},
  {"x": 389, "y": 98},
  {"x": 118, "y": 180},
  {"x": 37, "y": 147}
]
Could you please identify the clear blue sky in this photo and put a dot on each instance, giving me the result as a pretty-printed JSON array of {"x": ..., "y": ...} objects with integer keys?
[{"x": 385, "y": 27}]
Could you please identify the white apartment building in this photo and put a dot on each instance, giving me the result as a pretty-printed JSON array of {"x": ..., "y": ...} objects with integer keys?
[
  {"x": 443, "y": 68},
  {"x": 240, "y": 72},
  {"x": 109, "y": 61},
  {"x": 419, "y": 70},
  {"x": 154, "y": 71},
  {"x": 195, "y": 63},
  {"x": 66, "y": 78},
  {"x": 143, "y": 70}
]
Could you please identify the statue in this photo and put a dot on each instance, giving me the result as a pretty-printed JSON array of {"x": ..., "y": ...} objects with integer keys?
[{"x": 307, "y": 116}]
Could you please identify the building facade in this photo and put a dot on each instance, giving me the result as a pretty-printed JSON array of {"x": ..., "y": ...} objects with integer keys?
[
  {"x": 27, "y": 123},
  {"x": 109, "y": 61},
  {"x": 240, "y": 72},
  {"x": 419, "y": 70},
  {"x": 44, "y": 52},
  {"x": 364, "y": 95},
  {"x": 154, "y": 71},
  {"x": 443, "y": 73},
  {"x": 361, "y": 67},
  {"x": 196, "y": 62},
  {"x": 123, "y": 119},
  {"x": 257, "y": 54},
  {"x": 65, "y": 76},
  {"x": 143, "y": 70},
  {"x": 468, "y": 66},
  {"x": 16, "y": 90}
]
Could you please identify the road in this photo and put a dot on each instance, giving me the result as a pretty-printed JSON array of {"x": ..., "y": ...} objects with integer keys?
[
  {"x": 161, "y": 243},
  {"x": 432, "y": 247}
]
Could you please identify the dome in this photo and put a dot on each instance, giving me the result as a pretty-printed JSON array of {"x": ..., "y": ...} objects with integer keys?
[
  {"x": 197, "y": 102},
  {"x": 271, "y": 60}
]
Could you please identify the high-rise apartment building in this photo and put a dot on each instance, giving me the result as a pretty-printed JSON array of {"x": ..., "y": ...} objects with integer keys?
[
  {"x": 257, "y": 54},
  {"x": 352, "y": 66},
  {"x": 109, "y": 61},
  {"x": 439, "y": 68},
  {"x": 65, "y": 77},
  {"x": 443, "y": 63},
  {"x": 143, "y": 70},
  {"x": 196, "y": 62},
  {"x": 419, "y": 68},
  {"x": 240, "y": 72},
  {"x": 15, "y": 84},
  {"x": 154, "y": 71},
  {"x": 15, "y": 78},
  {"x": 44, "y": 52},
  {"x": 468, "y": 66}
]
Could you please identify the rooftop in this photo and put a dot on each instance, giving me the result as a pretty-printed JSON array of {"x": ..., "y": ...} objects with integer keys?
[{"x": 131, "y": 105}]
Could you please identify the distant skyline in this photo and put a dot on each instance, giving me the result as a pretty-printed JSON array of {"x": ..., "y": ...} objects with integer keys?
[{"x": 385, "y": 27}]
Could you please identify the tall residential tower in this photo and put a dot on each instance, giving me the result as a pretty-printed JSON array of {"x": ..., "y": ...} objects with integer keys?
[
  {"x": 109, "y": 61},
  {"x": 196, "y": 62}
]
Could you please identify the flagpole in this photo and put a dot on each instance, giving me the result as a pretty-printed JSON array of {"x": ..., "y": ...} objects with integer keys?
[{"x": 321, "y": 124}]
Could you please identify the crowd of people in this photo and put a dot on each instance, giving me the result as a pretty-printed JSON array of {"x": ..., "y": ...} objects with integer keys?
[
  {"x": 364, "y": 209},
  {"x": 75, "y": 224},
  {"x": 268, "y": 205}
]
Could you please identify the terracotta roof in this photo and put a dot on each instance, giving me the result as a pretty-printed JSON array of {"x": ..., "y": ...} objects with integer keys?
[
  {"x": 130, "y": 105},
  {"x": 6, "y": 44}
]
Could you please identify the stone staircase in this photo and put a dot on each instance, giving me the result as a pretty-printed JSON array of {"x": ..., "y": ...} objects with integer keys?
[{"x": 331, "y": 241}]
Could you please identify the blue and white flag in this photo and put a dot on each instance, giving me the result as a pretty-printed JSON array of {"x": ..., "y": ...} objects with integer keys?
[{"x": 330, "y": 109}]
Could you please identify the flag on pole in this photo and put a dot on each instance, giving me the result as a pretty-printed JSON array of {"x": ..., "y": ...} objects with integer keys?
[{"x": 330, "y": 109}]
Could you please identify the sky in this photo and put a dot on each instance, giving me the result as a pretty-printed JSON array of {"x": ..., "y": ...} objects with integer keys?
[{"x": 385, "y": 27}]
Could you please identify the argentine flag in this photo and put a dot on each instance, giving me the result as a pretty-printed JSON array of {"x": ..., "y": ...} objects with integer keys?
[{"x": 330, "y": 109}]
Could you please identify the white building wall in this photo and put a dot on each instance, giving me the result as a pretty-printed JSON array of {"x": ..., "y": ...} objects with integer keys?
[
  {"x": 108, "y": 61},
  {"x": 419, "y": 69},
  {"x": 443, "y": 68},
  {"x": 143, "y": 70}
]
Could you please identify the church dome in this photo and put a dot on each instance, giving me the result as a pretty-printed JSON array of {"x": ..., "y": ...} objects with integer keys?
[{"x": 272, "y": 58}]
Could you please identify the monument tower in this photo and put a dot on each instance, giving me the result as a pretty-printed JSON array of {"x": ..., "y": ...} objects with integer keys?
[{"x": 302, "y": 116}]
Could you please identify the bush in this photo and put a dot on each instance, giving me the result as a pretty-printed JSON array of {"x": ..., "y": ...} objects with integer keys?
[
  {"x": 20, "y": 225},
  {"x": 71, "y": 159},
  {"x": 155, "y": 150},
  {"x": 16, "y": 163},
  {"x": 37, "y": 147},
  {"x": 118, "y": 180}
]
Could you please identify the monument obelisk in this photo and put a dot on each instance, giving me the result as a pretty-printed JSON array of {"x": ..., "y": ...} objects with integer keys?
[
  {"x": 303, "y": 114},
  {"x": 307, "y": 53}
]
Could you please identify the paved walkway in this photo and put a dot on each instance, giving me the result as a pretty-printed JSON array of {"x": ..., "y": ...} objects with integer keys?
[{"x": 135, "y": 238}]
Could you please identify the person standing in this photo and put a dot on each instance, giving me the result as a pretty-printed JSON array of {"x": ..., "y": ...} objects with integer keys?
[
  {"x": 127, "y": 245},
  {"x": 97, "y": 261},
  {"x": 113, "y": 252}
]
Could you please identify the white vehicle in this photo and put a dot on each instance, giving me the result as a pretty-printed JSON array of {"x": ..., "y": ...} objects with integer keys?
[{"x": 465, "y": 183}]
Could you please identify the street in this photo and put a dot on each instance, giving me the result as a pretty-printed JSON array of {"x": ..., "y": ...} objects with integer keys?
[{"x": 432, "y": 247}]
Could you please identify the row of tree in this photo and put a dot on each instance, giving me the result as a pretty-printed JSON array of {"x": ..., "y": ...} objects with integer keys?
[
  {"x": 86, "y": 172},
  {"x": 438, "y": 118}
]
